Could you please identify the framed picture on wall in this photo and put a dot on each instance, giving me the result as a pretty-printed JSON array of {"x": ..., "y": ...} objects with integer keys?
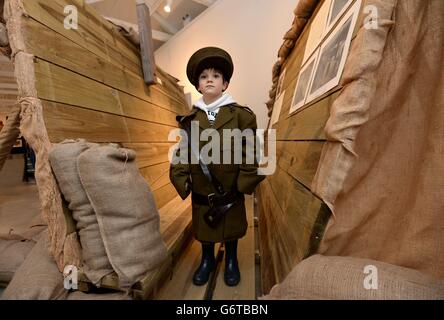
[
  {"x": 337, "y": 8},
  {"x": 333, "y": 55},
  {"x": 276, "y": 110},
  {"x": 317, "y": 30},
  {"x": 303, "y": 83},
  {"x": 280, "y": 85}
]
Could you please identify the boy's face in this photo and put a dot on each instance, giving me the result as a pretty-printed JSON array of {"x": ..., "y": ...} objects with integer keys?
[{"x": 212, "y": 84}]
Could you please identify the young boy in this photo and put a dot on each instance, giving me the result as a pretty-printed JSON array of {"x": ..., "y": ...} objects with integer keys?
[{"x": 218, "y": 188}]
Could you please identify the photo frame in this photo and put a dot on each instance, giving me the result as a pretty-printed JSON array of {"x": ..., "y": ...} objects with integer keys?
[
  {"x": 337, "y": 9},
  {"x": 317, "y": 30},
  {"x": 280, "y": 83},
  {"x": 303, "y": 83},
  {"x": 333, "y": 55},
  {"x": 276, "y": 110}
]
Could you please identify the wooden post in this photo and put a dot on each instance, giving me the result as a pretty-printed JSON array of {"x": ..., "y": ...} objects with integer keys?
[{"x": 146, "y": 43}]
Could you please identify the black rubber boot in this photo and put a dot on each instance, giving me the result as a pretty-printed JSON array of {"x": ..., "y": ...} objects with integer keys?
[
  {"x": 232, "y": 274},
  {"x": 207, "y": 264}
]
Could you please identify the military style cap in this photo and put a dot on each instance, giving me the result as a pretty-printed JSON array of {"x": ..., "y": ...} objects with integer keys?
[{"x": 209, "y": 57}]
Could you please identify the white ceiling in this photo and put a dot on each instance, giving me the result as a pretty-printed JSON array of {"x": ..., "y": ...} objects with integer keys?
[{"x": 164, "y": 25}]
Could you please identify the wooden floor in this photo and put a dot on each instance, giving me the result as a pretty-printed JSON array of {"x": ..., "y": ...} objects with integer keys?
[{"x": 181, "y": 287}]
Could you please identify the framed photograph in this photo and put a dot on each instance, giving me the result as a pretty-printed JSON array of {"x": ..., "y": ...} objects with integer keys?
[
  {"x": 280, "y": 83},
  {"x": 317, "y": 30},
  {"x": 337, "y": 8},
  {"x": 276, "y": 110},
  {"x": 303, "y": 83},
  {"x": 333, "y": 54}
]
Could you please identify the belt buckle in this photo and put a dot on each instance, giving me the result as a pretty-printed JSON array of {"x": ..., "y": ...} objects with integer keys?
[{"x": 210, "y": 199}]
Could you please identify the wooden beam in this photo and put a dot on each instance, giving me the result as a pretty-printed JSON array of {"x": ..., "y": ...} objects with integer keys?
[
  {"x": 146, "y": 43},
  {"x": 157, "y": 35}
]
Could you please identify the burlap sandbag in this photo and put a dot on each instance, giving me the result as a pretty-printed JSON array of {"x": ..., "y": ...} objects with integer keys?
[
  {"x": 63, "y": 159},
  {"x": 12, "y": 255},
  {"x": 126, "y": 211},
  {"x": 38, "y": 278},
  {"x": 344, "y": 278}
]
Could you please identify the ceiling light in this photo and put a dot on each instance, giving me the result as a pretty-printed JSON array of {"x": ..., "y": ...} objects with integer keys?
[{"x": 167, "y": 8}]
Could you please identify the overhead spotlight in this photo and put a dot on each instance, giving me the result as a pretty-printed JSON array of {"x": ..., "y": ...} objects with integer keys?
[{"x": 167, "y": 7}]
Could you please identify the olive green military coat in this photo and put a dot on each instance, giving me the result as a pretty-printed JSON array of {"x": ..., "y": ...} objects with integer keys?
[{"x": 243, "y": 177}]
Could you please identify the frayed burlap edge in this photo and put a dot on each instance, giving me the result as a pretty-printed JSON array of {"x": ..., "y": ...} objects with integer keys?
[
  {"x": 9, "y": 133},
  {"x": 302, "y": 14},
  {"x": 350, "y": 109},
  {"x": 65, "y": 248}
]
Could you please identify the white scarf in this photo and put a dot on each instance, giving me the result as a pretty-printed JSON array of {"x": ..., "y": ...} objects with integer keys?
[{"x": 212, "y": 109}]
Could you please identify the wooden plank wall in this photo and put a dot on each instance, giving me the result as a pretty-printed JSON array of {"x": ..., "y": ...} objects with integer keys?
[
  {"x": 291, "y": 223},
  {"x": 8, "y": 86},
  {"x": 91, "y": 86}
]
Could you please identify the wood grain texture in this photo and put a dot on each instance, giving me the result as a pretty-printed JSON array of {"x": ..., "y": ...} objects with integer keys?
[
  {"x": 61, "y": 85},
  {"x": 146, "y": 42},
  {"x": 67, "y": 122},
  {"x": 149, "y": 154},
  {"x": 307, "y": 124},
  {"x": 180, "y": 285},
  {"x": 93, "y": 33},
  {"x": 300, "y": 159},
  {"x": 164, "y": 194},
  {"x": 51, "y": 46},
  {"x": 294, "y": 214}
]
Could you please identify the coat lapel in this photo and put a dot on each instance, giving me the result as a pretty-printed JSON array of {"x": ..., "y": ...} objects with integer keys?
[
  {"x": 203, "y": 119},
  {"x": 224, "y": 115}
]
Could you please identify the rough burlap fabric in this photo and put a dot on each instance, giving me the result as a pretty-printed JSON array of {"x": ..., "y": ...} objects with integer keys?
[
  {"x": 63, "y": 246},
  {"x": 347, "y": 278},
  {"x": 383, "y": 170},
  {"x": 126, "y": 211},
  {"x": 63, "y": 159},
  {"x": 12, "y": 255},
  {"x": 38, "y": 278},
  {"x": 9, "y": 133}
]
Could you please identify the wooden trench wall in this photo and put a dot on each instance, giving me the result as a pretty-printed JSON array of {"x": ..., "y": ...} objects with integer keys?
[
  {"x": 8, "y": 86},
  {"x": 291, "y": 218},
  {"x": 90, "y": 84}
]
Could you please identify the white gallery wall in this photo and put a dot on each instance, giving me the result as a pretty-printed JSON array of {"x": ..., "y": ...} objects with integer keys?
[{"x": 250, "y": 30}]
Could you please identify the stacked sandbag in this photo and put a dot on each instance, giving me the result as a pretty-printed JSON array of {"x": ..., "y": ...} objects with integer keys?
[
  {"x": 12, "y": 254},
  {"x": 125, "y": 209},
  {"x": 38, "y": 278},
  {"x": 348, "y": 278},
  {"x": 63, "y": 159},
  {"x": 16, "y": 245}
]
